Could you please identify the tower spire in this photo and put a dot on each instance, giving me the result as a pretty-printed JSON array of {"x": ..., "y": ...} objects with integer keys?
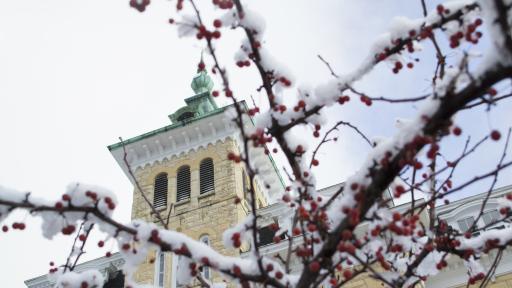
[
  {"x": 202, "y": 82},
  {"x": 200, "y": 65}
]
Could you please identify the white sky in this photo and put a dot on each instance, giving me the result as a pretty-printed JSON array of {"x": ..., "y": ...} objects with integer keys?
[{"x": 75, "y": 75}]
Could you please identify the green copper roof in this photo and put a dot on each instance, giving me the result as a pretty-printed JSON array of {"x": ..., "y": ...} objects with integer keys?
[
  {"x": 169, "y": 127},
  {"x": 202, "y": 83},
  {"x": 201, "y": 103},
  {"x": 198, "y": 107}
]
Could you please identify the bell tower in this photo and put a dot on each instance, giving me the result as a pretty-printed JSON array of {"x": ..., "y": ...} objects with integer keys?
[{"x": 183, "y": 170}]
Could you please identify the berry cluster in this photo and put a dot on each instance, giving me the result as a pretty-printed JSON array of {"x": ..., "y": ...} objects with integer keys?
[
  {"x": 202, "y": 32},
  {"x": 343, "y": 99},
  {"x": 366, "y": 100},
  {"x": 236, "y": 239},
  {"x": 234, "y": 157},
  {"x": 470, "y": 34}
]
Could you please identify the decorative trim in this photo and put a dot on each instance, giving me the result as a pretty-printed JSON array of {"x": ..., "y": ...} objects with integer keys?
[
  {"x": 182, "y": 202},
  {"x": 101, "y": 264},
  {"x": 206, "y": 195}
]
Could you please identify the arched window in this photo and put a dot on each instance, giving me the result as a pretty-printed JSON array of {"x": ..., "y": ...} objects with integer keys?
[
  {"x": 183, "y": 183},
  {"x": 206, "y": 176},
  {"x": 205, "y": 270},
  {"x": 160, "y": 195},
  {"x": 185, "y": 116}
]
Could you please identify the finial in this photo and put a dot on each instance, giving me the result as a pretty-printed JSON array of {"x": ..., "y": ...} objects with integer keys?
[
  {"x": 201, "y": 66},
  {"x": 201, "y": 82}
]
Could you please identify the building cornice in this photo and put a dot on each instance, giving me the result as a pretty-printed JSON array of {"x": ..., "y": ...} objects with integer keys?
[
  {"x": 100, "y": 264},
  {"x": 164, "y": 144},
  {"x": 444, "y": 211}
]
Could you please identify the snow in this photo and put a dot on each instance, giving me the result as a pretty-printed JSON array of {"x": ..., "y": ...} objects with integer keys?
[
  {"x": 195, "y": 254},
  {"x": 92, "y": 278},
  {"x": 11, "y": 195},
  {"x": 243, "y": 229},
  {"x": 252, "y": 20},
  {"x": 188, "y": 26}
]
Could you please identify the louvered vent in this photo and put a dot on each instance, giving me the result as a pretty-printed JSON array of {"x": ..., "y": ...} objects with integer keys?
[
  {"x": 160, "y": 196},
  {"x": 206, "y": 176},
  {"x": 183, "y": 184}
]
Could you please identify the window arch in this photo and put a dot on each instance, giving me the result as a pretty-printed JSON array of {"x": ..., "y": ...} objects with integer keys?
[
  {"x": 160, "y": 193},
  {"x": 206, "y": 176},
  {"x": 183, "y": 183},
  {"x": 205, "y": 271}
]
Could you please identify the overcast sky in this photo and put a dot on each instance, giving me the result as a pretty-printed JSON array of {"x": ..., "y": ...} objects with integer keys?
[{"x": 77, "y": 74}]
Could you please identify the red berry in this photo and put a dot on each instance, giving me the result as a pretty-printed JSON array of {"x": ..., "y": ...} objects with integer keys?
[
  {"x": 125, "y": 246},
  {"x": 101, "y": 243},
  {"x": 5, "y": 228},
  {"x": 236, "y": 236},
  {"x": 217, "y": 23},
  {"x": 205, "y": 260},
  {"x": 215, "y": 93},
  {"x": 108, "y": 254},
  {"x": 91, "y": 195},
  {"x": 237, "y": 271},
  {"x": 66, "y": 197},
  {"x": 492, "y": 91},
  {"x": 457, "y": 131},
  {"x": 381, "y": 56},
  {"x": 495, "y": 135},
  {"x": 216, "y": 34},
  {"x": 314, "y": 266},
  {"x": 440, "y": 9},
  {"x": 347, "y": 274},
  {"x": 201, "y": 66},
  {"x": 68, "y": 230},
  {"x": 82, "y": 237},
  {"x": 315, "y": 162},
  {"x": 84, "y": 285}
]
